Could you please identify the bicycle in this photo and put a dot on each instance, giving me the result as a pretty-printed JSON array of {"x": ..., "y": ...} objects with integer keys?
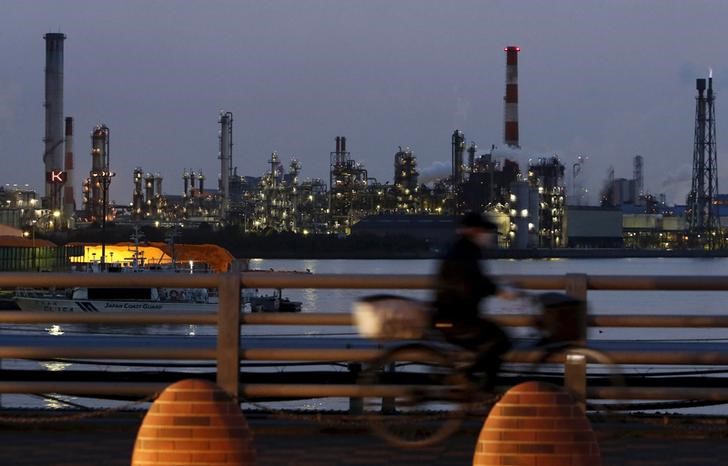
[{"x": 418, "y": 392}]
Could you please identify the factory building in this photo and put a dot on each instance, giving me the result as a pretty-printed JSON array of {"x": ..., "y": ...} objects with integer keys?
[
  {"x": 405, "y": 181},
  {"x": 594, "y": 227},
  {"x": 547, "y": 177},
  {"x": 347, "y": 183}
]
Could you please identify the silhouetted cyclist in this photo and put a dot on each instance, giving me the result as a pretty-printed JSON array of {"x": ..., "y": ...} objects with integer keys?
[{"x": 460, "y": 287}]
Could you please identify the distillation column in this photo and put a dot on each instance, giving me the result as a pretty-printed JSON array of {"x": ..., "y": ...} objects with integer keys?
[{"x": 100, "y": 176}]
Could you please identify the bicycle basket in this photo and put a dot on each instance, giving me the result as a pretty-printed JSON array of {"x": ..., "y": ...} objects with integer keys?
[
  {"x": 563, "y": 318},
  {"x": 386, "y": 317}
]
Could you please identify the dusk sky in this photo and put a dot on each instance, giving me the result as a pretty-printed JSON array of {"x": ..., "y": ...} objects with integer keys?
[{"x": 604, "y": 79}]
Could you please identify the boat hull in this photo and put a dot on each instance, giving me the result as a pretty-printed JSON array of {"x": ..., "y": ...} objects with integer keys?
[{"x": 98, "y": 305}]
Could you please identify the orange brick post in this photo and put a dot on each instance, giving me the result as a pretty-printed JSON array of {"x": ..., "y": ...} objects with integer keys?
[
  {"x": 194, "y": 422},
  {"x": 537, "y": 424}
]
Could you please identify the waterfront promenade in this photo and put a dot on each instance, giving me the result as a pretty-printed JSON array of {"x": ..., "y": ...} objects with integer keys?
[{"x": 109, "y": 441}]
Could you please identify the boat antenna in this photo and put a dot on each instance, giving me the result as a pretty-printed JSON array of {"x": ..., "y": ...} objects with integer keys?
[{"x": 136, "y": 237}]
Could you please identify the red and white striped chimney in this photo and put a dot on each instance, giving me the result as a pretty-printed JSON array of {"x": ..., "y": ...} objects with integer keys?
[
  {"x": 69, "y": 201},
  {"x": 510, "y": 135}
]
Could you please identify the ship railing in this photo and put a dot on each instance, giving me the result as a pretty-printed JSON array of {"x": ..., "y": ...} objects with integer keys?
[{"x": 228, "y": 352}]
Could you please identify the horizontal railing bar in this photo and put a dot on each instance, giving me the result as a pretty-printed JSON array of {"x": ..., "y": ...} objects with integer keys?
[
  {"x": 141, "y": 389},
  {"x": 321, "y": 318},
  {"x": 335, "y": 281},
  {"x": 40, "y": 317},
  {"x": 695, "y": 321},
  {"x": 253, "y": 391},
  {"x": 695, "y": 358},
  {"x": 658, "y": 393},
  {"x": 712, "y": 358},
  {"x": 310, "y": 354},
  {"x": 288, "y": 318},
  {"x": 328, "y": 390},
  {"x": 261, "y": 279},
  {"x": 333, "y": 354},
  {"x": 13, "y": 280},
  {"x": 658, "y": 283},
  {"x": 107, "y": 352}
]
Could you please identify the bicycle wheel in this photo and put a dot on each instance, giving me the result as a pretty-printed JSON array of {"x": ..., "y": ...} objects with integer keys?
[
  {"x": 601, "y": 373},
  {"x": 414, "y": 396}
]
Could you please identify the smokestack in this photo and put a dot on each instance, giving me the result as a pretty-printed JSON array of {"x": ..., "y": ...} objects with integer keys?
[
  {"x": 226, "y": 160},
  {"x": 343, "y": 144},
  {"x": 510, "y": 136},
  {"x": 458, "y": 147},
  {"x": 338, "y": 145},
  {"x": 69, "y": 201},
  {"x": 53, "y": 153}
]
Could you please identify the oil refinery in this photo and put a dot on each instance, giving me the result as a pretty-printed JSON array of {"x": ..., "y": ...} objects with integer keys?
[{"x": 529, "y": 201}]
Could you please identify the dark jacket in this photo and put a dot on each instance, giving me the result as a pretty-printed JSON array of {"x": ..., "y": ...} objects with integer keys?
[{"x": 461, "y": 284}]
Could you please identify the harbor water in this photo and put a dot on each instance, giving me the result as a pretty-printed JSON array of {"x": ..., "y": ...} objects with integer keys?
[{"x": 340, "y": 300}]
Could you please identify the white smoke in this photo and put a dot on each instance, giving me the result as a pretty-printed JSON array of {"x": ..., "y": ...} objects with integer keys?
[
  {"x": 682, "y": 174},
  {"x": 435, "y": 172},
  {"x": 677, "y": 184}
]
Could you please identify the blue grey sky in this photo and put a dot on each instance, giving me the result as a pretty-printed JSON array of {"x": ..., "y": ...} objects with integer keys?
[{"x": 605, "y": 79}]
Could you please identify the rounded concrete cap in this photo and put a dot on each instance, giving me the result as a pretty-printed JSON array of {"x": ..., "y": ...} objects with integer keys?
[
  {"x": 194, "y": 422},
  {"x": 537, "y": 424}
]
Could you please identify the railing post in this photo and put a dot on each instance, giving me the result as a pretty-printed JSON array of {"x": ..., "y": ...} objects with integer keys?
[
  {"x": 356, "y": 403},
  {"x": 575, "y": 365},
  {"x": 228, "y": 332}
]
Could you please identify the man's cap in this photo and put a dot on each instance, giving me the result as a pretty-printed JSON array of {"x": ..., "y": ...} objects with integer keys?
[{"x": 476, "y": 220}]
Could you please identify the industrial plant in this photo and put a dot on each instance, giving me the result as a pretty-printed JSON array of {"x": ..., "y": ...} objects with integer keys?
[{"x": 530, "y": 202}]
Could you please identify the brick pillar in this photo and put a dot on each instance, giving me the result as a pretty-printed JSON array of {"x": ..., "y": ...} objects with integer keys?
[
  {"x": 194, "y": 422},
  {"x": 537, "y": 424}
]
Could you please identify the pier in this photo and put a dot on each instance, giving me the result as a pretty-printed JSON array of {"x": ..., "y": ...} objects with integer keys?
[{"x": 227, "y": 355}]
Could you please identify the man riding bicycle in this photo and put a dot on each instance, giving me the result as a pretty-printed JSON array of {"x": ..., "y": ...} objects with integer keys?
[{"x": 459, "y": 289}]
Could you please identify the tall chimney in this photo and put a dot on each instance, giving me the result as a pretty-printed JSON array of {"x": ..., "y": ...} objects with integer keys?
[
  {"x": 510, "y": 136},
  {"x": 343, "y": 144},
  {"x": 226, "y": 161},
  {"x": 69, "y": 201},
  {"x": 458, "y": 147},
  {"x": 53, "y": 153}
]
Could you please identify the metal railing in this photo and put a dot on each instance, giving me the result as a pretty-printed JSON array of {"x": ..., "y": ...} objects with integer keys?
[{"x": 228, "y": 319}]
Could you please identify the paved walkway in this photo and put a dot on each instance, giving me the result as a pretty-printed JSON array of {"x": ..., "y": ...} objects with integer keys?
[{"x": 109, "y": 442}]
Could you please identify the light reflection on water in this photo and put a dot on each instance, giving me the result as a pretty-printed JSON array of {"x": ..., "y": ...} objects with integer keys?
[{"x": 340, "y": 300}]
